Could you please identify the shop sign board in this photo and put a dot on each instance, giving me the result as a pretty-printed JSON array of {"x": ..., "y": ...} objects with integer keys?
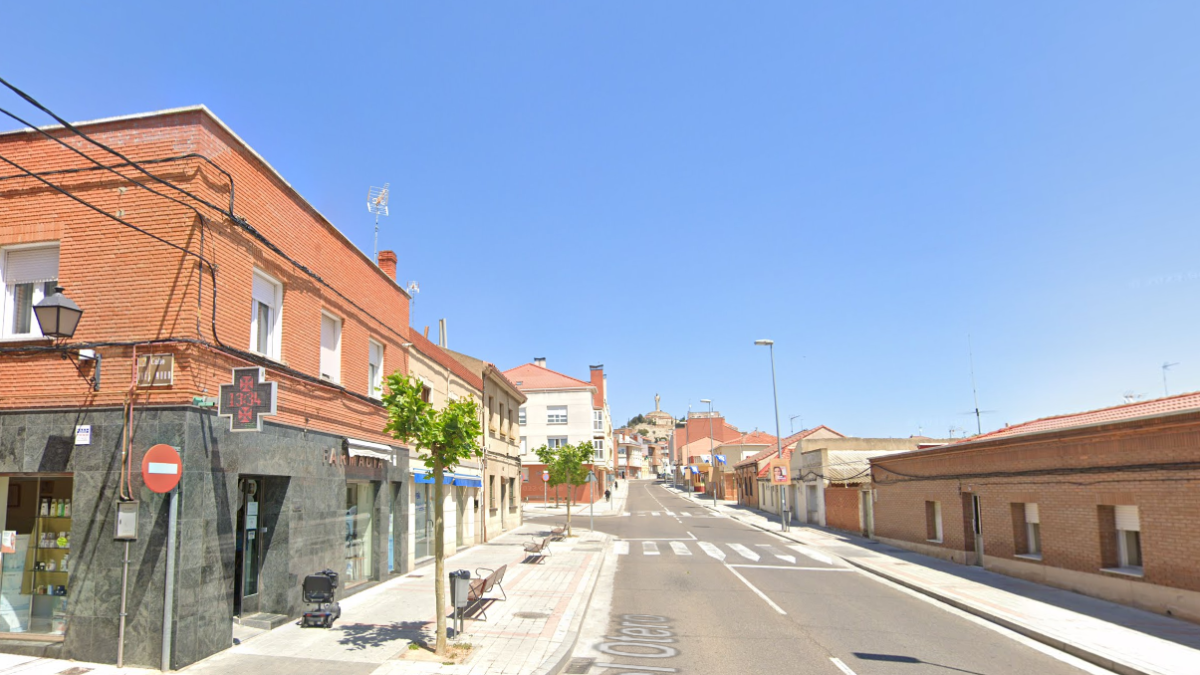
[
  {"x": 246, "y": 400},
  {"x": 156, "y": 370},
  {"x": 161, "y": 468}
]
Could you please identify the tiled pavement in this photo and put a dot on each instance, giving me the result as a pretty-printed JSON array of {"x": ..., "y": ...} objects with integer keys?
[
  {"x": 525, "y": 634},
  {"x": 1120, "y": 638}
]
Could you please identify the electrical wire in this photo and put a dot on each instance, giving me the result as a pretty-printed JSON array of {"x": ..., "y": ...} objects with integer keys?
[{"x": 1056, "y": 471}]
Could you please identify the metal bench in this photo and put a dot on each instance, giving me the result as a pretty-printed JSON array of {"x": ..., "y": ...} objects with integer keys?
[
  {"x": 482, "y": 585},
  {"x": 558, "y": 533},
  {"x": 538, "y": 550}
]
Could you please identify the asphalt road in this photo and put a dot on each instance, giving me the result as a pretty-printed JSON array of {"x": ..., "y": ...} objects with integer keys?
[{"x": 689, "y": 591}]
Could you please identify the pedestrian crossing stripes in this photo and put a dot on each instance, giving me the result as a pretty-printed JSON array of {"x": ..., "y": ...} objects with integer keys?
[
  {"x": 673, "y": 514},
  {"x": 737, "y": 554}
]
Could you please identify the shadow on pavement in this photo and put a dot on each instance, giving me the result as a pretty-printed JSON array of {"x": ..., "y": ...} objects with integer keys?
[{"x": 358, "y": 636}]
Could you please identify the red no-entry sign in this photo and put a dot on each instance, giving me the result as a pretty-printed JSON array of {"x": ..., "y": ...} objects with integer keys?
[
  {"x": 161, "y": 468},
  {"x": 545, "y": 475}
]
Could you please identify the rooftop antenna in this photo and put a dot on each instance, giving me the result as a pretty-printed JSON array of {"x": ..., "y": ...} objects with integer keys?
[
  {"x": 377, "y": 203},
  {"x": 1131, "y": 397},
  {"x": 975, "y": 392},
  {"x": 1166, "y": 366},
  {"x": 791, "y": 426}
]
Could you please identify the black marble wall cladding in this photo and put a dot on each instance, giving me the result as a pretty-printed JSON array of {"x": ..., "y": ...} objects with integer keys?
[{"x": 302, "y": 520}]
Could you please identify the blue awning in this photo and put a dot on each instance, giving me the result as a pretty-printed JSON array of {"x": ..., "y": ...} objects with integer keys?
[
  {"x": 468, "y": 481},
  {"x": 426, "y": 476}
]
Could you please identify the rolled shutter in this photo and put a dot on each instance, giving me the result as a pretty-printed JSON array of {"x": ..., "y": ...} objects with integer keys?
[
  {"x": 263, "y": 290},
  {"x": 1127, "y": 518},
  {"x": 1031, "y": 513},
  {"x": 31, "y": 265}
]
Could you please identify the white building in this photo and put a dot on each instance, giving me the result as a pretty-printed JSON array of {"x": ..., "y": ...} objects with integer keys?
[
  {"x": 561, "y": 410},
  {"x": 632, "y": 452}
]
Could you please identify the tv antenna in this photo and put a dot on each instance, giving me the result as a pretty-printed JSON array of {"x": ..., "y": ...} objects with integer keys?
[
  {"x": 377, "y": 203},
  {"x": 975, "y": 392},
  {"x": 1166, "y": 366},
  {"x": 792, "y": 426},
  {"x": 1131, "y": 397}
]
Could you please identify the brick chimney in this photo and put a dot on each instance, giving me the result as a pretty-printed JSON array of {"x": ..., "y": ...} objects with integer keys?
[
  {"x": 387, "y": 263},
  {"x": 598, "y": 383}
]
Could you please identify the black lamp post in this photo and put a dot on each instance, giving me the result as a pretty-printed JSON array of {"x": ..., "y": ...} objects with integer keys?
[{"x": 57, "y": 315}]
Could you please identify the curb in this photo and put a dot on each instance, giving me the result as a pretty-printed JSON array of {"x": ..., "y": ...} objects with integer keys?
[
  {"x": 556, "y": 661},
  {"x": 1045, "y": 638}
]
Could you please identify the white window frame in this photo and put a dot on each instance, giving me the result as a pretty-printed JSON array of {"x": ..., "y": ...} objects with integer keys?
[
  {"x": 1128, "y": 521},
  {"x": 375, "y": 384},
  {"x": 597, "y": 420},
  {"x": 335, "y": 376},
  {"x": 937, "y": 522},
  {"x": 275, "y": 336},
  {"x": 553, "y": 442},
  {"x": 598, "y": 447},
  {"x": 1033, "y": 531},
  {"x": 521, "y": 416},
  {"x": 552, "y": 417},
  {"x": 524, "y": 446},
  {"x": 7, "y": 304}
]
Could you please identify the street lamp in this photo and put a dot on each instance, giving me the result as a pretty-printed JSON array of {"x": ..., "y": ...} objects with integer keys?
[
  {"x": 712, "y": 459},
  {"x": 57, "y": 315},
  {"x": 778, "y": 441}
]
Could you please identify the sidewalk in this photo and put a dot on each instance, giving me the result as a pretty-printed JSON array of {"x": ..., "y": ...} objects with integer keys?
[
  {"x": 1113, "y": 636},
  {"x": 602, "y": 508},
  {"x": 531, "y": 632}
]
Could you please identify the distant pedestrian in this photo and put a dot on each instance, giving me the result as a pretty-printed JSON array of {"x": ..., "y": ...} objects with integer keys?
[{"x": 608, "y": 495}]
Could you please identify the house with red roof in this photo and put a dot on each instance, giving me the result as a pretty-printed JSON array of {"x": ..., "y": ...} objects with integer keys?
[
  {"x": 562, "y": 410},
  {"x": 1102, "y": 502},
  {"x": 752, "y": 477}
]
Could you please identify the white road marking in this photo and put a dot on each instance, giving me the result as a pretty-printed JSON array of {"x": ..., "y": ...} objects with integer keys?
[
  {"x": 809, "y": 553},
  {"x": 649, "y": 548},
  {"x": 789, "y": 567},
  {"x": 841, "y": 666},
  {"x": 685, "y": 514},
  {"x": 655, "y": 513},
  {"x": 744, "y": 552},
  {"x": 713, "y": 550},
  {"x": 757, "y": 592},
  {"x": 669, "y": 513},
  {"x": 787, "y": 558},
  {"x": 680, "y": 548},
  {"x": 626, "y": 514},
  {"x": 621, "y": 547}
]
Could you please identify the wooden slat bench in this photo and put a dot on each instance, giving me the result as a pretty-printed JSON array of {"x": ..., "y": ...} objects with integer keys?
[{"x": 538, "y": 550}]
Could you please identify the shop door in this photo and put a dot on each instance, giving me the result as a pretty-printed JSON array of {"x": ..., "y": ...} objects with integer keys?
[
  {"x": 977, "y": 517},
  {"x": 460, "y": 521},
  {"x": 248, "y": 559}
]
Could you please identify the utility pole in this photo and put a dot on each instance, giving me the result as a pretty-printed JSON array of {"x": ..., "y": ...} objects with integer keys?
[
  {"x": 712, "y": 459},
  {"x": 783, "y": 525}
]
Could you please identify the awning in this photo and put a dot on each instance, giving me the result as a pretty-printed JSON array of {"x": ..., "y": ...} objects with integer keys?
[
  {"x": 448, "y": 478},
  {"x": 357, "y": 448},
  {"x": 468, "y": 481}
]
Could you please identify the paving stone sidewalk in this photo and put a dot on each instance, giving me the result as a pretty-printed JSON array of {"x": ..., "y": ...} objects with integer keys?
[
  {"x": 1113, "y": 636},
  {"x": 528, "y": 633},
  {"x": 579, "y": 512}
]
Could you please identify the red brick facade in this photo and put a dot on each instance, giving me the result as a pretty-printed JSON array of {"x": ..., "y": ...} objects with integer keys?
[
  {"x": 534, "y": 489},
  {"x": 1076, "y": 476},
  {"x": 842, "y": 508},
  {"x": 136, "y": 289}
]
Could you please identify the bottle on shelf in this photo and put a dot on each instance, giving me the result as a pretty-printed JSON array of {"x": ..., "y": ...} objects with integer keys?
[
  {"x": 67, "y": 511},
  {"x": 45, "y": 512}
]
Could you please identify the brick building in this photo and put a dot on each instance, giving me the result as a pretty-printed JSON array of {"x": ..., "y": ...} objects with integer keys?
[
  {"x": 1102, "y": 502},
  {"x": 754, "y": 487},
  {"x": 234, "y": 278}
]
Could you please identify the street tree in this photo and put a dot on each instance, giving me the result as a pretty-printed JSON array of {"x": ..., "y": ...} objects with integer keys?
[
  {"x": 566, "y": 467},
  {"x": 443, "y": 439}
]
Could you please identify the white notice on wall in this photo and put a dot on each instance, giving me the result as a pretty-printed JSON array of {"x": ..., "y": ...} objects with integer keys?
[{"x": 83, "y": 434}]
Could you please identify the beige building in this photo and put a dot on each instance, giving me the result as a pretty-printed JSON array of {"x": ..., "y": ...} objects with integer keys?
[
  {"x": 445, "y": 380},
  {"x": 502, "y": 480}
]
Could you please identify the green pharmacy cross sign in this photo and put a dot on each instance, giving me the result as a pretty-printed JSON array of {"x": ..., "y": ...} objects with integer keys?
[{"x": 247, "y": 399}]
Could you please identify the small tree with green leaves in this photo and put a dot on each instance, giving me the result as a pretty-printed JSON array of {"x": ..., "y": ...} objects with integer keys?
[
  {"x": 566, "y": 466},
  {"x": 443, "y": 439}
]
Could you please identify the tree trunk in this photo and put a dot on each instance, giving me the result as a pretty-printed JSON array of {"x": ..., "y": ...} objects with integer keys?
[
  {"x": 569, "y": 487},
  {"x": 439, "y": 559}
]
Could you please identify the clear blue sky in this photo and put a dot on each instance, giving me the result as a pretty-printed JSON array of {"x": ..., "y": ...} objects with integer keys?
[{"x": 660, "y": 183}]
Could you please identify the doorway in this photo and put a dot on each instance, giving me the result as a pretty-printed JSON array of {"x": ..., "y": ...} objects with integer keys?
[
  {"x": 973, "y": 517},
  {"x": 248, "y": 557}
]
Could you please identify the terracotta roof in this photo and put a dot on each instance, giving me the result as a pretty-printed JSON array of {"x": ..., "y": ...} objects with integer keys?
[
  {"x": 532, "y": 376},
  {"x": 752, "y": 438},
  {"x": 764, "y": 472},
  {"x": 1158, "y": 406},
  {"x": 423, "y": 345},
  {"x": 483, "y": 368}
]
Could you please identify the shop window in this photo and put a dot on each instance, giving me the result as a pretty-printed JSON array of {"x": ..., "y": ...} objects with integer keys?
[
  {"x": 35, "y": 576},
  {"x": 360, "y": 502},
  {"x": 27, "y": 275},
  {"x": 933, "y": 521},
  {"x": 423, "y": 536}
]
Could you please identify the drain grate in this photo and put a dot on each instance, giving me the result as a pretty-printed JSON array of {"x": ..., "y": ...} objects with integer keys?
[
  {"x": 579, "y": 666},
  {"x": 75, "y": 671},
  {"x": 531, "y": 615}
]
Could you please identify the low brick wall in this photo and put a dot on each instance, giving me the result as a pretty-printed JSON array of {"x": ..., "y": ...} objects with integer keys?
[{"x": 841, "y": 509}]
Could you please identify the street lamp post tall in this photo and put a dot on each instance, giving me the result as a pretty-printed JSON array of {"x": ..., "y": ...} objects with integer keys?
[
  {"x": 712, "y": 459},
  {"x": 783, "y": 525}
]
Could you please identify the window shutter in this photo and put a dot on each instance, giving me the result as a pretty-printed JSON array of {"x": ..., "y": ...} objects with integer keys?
[
  {"x": 31, "y": 265},
  {"x": 1127, "y": 518},
  {"x": 329, "y": 348},
  {"x": 1031, "y": 513},
  {"x": 263, "y": 290}
]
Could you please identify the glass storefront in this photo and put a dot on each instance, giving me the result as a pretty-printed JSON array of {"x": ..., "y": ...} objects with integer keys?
[
  {"x": 360, "y": 501},
  {"x": 35, "y": 554},
  {"x": 423, "y": 523}
]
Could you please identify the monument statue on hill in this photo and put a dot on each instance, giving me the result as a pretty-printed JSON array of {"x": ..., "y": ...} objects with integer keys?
[{"x": 656, "y": 400}]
